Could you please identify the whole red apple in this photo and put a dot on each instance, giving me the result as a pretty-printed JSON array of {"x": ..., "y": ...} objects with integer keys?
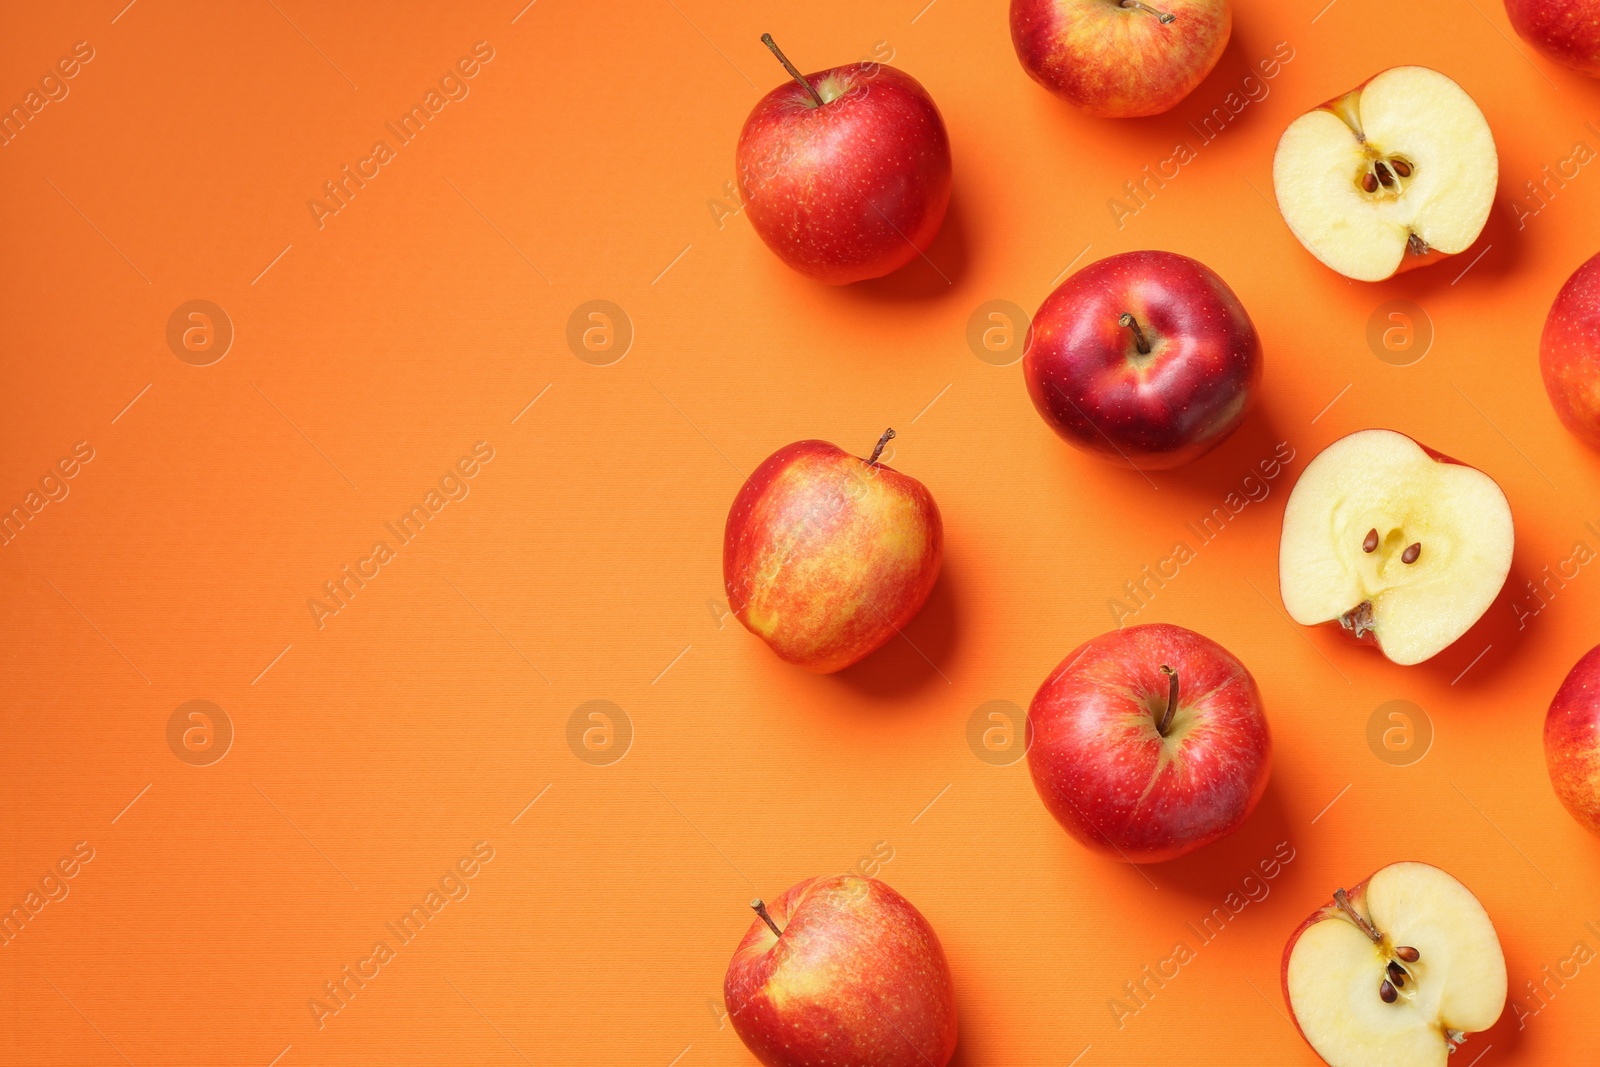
[
  {"x": 1149, "y": 742},
  {"x": 845, "y": 174},
  {"x": 842, "y": 970},
  {"x": 826, "y": 556},
  {"x": 1567, "y": 31},
  {"x": 1572, "y": 741},
  {"x": 1569, "y": 353},
  {"x": 1120, "y": 58},
  {"x": 1144, "y": 358}
]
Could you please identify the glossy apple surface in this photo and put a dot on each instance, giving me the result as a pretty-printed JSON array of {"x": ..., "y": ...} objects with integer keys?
[
  {"x": 1566, "y": 31},
  {"x": 854, "y": 187},
  {"x": 1395, "y": 174},
  {"x": 1569, "y": 353},
  {"x": 1146, "y": 359},
  {"x": 1120, "y": 58},
  {"x": 1400, "y": 545},
  {"x": 1109, "y": 774},
  {"x": 857, "y": 976},
  {"x": 1398, "y": 971},
  {"x": 826, "y": 556},
  {"x": 1572, "y": 741}
]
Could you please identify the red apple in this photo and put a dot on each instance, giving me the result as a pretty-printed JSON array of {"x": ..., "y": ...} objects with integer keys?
[
  {"x": 827, "y": 556},
  {"x": 1567, "y": 31},
  {"x": 1144, "y": 358},
  {"x": 845, "y": 174},
  {"x": 842, "y": 970},
  {"x": 1397, "y": 972},
  {"x": 1120, "y": 58},
  {"x": 1149, "y": 742},
  {"x": 1572, "y": 741},
  {"x": 1569, "y": 353}
]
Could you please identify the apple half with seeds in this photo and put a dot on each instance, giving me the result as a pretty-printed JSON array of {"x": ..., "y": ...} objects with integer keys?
[
  {"x": 1395, "y": 542},
  {"x": 1397, "y": 972},
  {"x": 1392, "y": 175}
]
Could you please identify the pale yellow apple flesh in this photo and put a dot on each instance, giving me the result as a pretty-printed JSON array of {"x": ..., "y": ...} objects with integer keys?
[
  {"x": 1379, "y": 480},
  {"x": 1456, "y": 986},
  {"x": 1341, "y": 181}
]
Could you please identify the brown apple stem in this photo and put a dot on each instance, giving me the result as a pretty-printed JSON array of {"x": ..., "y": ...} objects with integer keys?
[
  {"x": 1172, "y": 700},
  {"x": 1140, "y": 342},
  {"x": 1164, "y": 16},
  {"x": 766, "y": 916},
  {"x": 766, "y": 39},
  {"x": 888, "y": 435},
  {"x": 1343, "y": 901}
]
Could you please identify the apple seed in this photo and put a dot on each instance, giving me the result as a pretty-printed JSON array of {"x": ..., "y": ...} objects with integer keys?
[
  {"x": 1397, "y": 974},
  {"x": 1401, "y": 167},
  {"x": 1411, "y": 553},
  {"x": 1369, "y": 182},
  {"x": 1387, "y": 992},
  {"x": 1384, "y": 177},
  {"x": 1407, "y": 953},
  {"x": 1370, "y": 545}
]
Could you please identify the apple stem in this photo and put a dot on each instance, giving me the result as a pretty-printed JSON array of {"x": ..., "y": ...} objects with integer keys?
[
  {"x": 766, "y": 39},
  {"x": 1172, "y": 700},
  {"x": 1140, "y": 342},
  {"x": 766, "y": 917},
  {"x": 888, "y": 435},
  {"x": 1164, "y": 16},
  {"x": 1343, "y": 901}
]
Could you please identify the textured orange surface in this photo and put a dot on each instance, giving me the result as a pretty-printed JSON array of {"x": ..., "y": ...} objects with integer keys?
[{"x": 575, "y": 555}]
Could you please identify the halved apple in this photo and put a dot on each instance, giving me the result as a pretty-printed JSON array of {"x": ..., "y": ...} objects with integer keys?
[
  {"x": 1395, "y": 542},
  {"x": 1392, "y": 175},
  {"x": 1396, "y": 972}
]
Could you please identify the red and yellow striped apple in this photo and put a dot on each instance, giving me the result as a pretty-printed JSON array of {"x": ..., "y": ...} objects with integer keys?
[
  {"x": 842, "y": 970},
  {"x": 1572, "y": 741},
  {"x": 845, "y": 173},
  {"x": 1120, "y": 58},
  {"x": 1569, "y": 353},
  {"x": 1149, "y": 742},
  {"x": 826, "y": 556}
]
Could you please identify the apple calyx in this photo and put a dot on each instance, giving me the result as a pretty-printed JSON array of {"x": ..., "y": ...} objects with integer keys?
[
  {"x": 888, "y": 435},
  {"x": 1395, "y": 975},
  {"x": 766, "y": 916},
  {"x": 1172, "y": 700},
  {"x": 1359, "y": 620},
  {"x": 1166, "y": 17},
  {"x": 1140, "y": 341},
  {"x": 766, "y": 39}
]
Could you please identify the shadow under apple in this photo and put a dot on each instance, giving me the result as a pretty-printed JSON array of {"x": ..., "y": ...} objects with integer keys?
[
  {"x": 931, "y": 275},
  {"x": 1211, "y": 873}
]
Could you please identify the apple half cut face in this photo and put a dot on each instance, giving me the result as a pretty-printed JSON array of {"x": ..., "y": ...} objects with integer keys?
[
  {"x": 1396, "y": 543},
  {"x": 1397, "y": 972},
  {"x": 1388, "y": 175}
]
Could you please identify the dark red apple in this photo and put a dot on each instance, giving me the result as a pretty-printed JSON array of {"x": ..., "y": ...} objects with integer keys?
[
  {"x": 826, "y": 556},
  {"x": 842, "y": 970},
  {"x": 1567, "y": 31},
  {"x": 1144, "y": 358},
  {"x": 1572, "y": 741},
  {"x": 1569, "y": 353},
  {"x": 1149, "y": 742},
  {"x": 845, "y": 174}
]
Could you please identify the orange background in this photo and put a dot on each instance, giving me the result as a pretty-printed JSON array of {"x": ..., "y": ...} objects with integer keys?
[{"x": 372, "y": 753}]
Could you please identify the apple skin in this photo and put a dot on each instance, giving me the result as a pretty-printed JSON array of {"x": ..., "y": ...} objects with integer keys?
[
  {"x": 1097, "y": 758},
  {"x": 1572, "y": 741},
  {"x": 1566, "y": 31},
  {"x": 1569, "y": 353},
  {"x": 854, "y": 189},
  {"x": 1152, "y": 411},
  {"x": 858, "y": 977},
  {"x": 1115, "y": 61},
  {"x": 825, "y": 556}
]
